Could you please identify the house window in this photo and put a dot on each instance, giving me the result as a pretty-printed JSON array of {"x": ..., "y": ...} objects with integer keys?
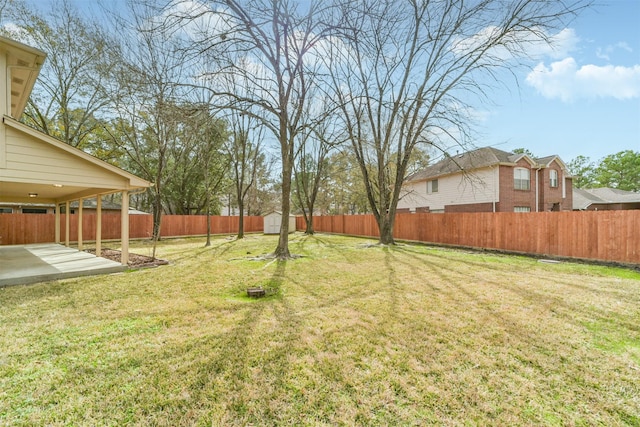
[
  {"x": 432, "y": 186},
  {"x": 6, "y": 210},
  {"x": 522, "y": 209},
  {"x": 521, "y": 179},
  {"x": 553, "y": 178},
  {"x": 34, "y": 210}
]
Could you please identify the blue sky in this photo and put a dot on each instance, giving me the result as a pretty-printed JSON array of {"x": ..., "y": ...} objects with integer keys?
[
  {"x": 583, "y": 100},
  {"x": 586, "y": 102}
]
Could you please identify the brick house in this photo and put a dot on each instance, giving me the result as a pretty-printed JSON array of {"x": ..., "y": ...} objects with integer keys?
[{"x": 489, "y": 180}]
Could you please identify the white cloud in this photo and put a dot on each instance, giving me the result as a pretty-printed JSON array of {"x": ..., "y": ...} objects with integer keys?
[
  {"x": 560, "y": 45},
  {"x": 194, "y": 19},
  {"x": 604, "y": 53},
  {"x": 567, "y": 81},
  {"x": 534, "y": 43},
  {"x": 19, "y": 33}
]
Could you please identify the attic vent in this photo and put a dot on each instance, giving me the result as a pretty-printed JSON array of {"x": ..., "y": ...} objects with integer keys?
[
  {"x": 18, "y": 81},
  {"x": 22, "y": 63}
]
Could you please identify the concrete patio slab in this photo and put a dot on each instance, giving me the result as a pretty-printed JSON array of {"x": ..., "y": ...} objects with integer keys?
[{"x": 25, "y": 264}]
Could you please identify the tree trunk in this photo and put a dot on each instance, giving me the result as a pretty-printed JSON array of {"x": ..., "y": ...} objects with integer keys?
[
  {"x": 385, "y": 224},
  {"x": 208, "y": 243},
  {"x": 157, "y": 219},
  {"x": 241, "y": 219},
  {"x": 282, "y": 250},
  {"x": 309, "y": 228}
]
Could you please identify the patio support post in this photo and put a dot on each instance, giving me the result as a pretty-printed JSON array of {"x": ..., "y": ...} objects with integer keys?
[
  {"x": 66, "y": 223},
  {"x": 5, "y": 108},
  {"x": 80, "y": 203},
  {"x": 124, "y": 228},
  {"x": 57, "y": 225},
  {"x": 98, "y": 225}
]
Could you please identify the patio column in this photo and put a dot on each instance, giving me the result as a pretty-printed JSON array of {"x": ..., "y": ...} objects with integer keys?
[
  {"x": 57, "y": 225},
  {"x": 66, "y": 223},
  {"x": 80, "y": 203},
  {"x": 124, "y": 228},
  {"x": 98, "y": 225}
]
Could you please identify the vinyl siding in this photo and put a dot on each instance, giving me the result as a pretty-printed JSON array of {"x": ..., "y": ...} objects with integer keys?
[
  {"x": 30, "y": 159},
  {"x": 459, "y": 189}
]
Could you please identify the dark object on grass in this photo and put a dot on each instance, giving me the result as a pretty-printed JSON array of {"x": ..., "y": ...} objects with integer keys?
[{"x": 255, "y": 292}]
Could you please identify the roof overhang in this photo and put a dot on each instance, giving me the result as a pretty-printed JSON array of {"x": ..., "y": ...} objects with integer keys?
[
  {"x": 29, "y": 190},
  {"x": 463, "y": 171},
  {"x": 23, "y": 66}
]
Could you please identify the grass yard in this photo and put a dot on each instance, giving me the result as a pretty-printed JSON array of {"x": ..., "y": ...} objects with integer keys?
[{"x": 352, "y": 334}]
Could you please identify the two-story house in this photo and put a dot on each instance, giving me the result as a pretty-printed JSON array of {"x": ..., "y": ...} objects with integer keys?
[{"x": 489, "y": 180}]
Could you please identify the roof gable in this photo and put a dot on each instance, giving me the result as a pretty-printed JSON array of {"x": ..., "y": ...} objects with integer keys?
[
  {"x": 477, "y": 159},
  {"x": 35, "y": 163},
  {"x": 471, "y": 160},
  {"x": 546, "y": 161},
  {"x": 21, "y": 70},
  {"x": 73, "y": 152}
]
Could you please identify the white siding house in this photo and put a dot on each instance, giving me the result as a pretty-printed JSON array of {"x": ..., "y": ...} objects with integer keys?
[{"x": 479, "y": 186}]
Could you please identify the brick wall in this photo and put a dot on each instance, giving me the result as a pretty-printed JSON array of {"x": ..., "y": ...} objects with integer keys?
[
  {"x": 509, "y": 196},
  {"x": 472, "y": 207},
  {"x": 551, "y": 197}
]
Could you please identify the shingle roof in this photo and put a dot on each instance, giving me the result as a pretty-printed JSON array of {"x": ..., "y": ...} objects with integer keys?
[
  {"x": 93, "y": 204},
  {"x": 476, "y": 159},
  {"x": 584, "y": 197}
]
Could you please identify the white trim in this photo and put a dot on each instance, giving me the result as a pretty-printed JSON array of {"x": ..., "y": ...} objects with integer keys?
[{"x": 124, "y": 229}]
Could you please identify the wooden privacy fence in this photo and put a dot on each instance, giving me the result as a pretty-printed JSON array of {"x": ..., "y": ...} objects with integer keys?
[
  {"x": 595, "y": 235},
  {"x": 20, "y": 229}
]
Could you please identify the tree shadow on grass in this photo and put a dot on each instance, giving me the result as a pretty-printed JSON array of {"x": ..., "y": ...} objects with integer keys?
[
  {"x": 191, "y": 253},
  {"x": 232, "y": 375}
]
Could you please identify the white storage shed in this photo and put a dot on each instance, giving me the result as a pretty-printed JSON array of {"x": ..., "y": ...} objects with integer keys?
[{"x": 273, "y": 220}]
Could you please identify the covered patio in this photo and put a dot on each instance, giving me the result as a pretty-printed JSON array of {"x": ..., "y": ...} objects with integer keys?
[
  {"x": 35, "y": 167},
  {"x": 43, "y": 262}
]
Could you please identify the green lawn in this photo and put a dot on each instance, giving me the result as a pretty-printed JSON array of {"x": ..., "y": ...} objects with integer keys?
[{"x": 352, "y": 334}]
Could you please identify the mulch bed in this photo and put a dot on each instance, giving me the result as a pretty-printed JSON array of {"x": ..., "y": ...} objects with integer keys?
[{"x": 135, "y": 260}]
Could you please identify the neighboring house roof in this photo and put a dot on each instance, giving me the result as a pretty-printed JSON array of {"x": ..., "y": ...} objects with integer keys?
[
  {"x": 585, "y": 197},
  {"x": 477, "y": 159},
  {"x": 93, "y": 204}
]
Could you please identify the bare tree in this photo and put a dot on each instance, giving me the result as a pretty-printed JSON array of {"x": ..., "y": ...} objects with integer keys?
[
  {"x": 265, "y": 43},
  {"x": 147, "y": 99},
  {"x": 406, "y": 73},
  {"x": 315, "y": 144},
  {"x": 244, "y": 151},
  {"x": 70, "y": 90},
  {"x": 4, "y": 5}
]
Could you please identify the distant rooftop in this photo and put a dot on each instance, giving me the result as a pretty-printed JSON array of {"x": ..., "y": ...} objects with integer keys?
[
  {"x": 585, "y": 197},
  {"x": 476, "y": 159}
]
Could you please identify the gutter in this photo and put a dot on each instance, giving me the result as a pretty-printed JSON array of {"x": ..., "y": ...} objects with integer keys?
[{"x": 537, "y": 190}]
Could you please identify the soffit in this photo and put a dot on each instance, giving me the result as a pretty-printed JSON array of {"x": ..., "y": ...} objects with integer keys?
[{"x": 23, "y": 66}]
